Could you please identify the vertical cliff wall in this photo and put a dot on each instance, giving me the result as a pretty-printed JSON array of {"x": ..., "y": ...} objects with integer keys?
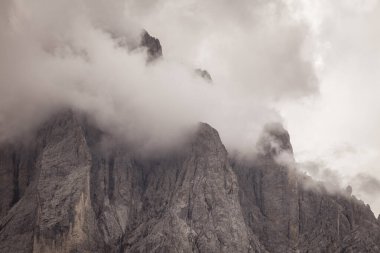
[{"x": 66, "y": 191}]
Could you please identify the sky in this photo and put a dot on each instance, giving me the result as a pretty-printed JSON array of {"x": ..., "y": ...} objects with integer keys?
[
  {"x": 312, "y": 65},
  {"x": 338, "y": 129}
]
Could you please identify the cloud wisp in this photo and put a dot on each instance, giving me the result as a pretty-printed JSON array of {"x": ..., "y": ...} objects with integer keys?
[
  {"x": 61, "y": 54},
  {"x": 268, "y": 61}
]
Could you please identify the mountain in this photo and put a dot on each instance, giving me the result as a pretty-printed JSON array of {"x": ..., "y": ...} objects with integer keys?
[
  {"x": 75, "y": 188},
  {"x": 153, "y": 46}
]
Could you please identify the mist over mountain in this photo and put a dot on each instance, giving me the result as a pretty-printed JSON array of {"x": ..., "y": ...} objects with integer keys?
[
  {"x": 85, "y": 56},
  {"x": 161, "y": 126},
  {"x": 75, "y": 188}
]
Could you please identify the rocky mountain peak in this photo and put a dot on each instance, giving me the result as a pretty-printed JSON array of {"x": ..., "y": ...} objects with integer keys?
[
  {"x": 204, "y": 74},
  {"x": 152, "y": 45},
  {"x": 274, "y": 140},
  {"x": 349, "y": 190},
  {"x": 65, "y": 194}
]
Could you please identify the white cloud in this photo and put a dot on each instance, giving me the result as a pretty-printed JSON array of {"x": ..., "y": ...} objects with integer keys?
[
  {"x": 262, "y": 56},
  {"x": 345, "y": 114},
  {"x": 62, "y": 54}
]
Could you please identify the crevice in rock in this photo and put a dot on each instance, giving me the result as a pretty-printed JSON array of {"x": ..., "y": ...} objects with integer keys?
[
  {"x": 16, "y": 186},
  {"x": 111, "y": 178}
]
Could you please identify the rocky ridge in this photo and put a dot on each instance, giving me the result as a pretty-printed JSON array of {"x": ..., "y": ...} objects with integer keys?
[
  {"x": 74, "y": 188},
  {"x": 153, "y": 46},
  {"x": 65, "y": 192}
]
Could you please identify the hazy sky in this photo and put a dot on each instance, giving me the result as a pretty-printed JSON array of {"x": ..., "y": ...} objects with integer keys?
[
  {"x": 339, "y": 127},
  {"x": 313, "y": 65}
]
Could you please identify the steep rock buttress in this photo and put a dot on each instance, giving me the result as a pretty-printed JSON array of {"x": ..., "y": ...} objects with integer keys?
[{"x": 74, "y": 188}]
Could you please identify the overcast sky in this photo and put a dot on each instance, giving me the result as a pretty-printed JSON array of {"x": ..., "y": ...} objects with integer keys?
[
  {"x": 339, "y": 127},
  {"x": 313, "y": 65}
]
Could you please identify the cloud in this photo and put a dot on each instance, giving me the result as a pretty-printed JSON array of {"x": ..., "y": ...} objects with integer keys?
[
  {"x": 367, "y": 188},
  {"x": 256, "y": 46},
  {"x": 363, "y": 185},
  {"x": 331, "y": 179},
  {"x": 367, "y": 184},
  {"x": 340, "y": 126},
  {"x": 58, "y": 54},
  {"x": 268, "y": 61}
]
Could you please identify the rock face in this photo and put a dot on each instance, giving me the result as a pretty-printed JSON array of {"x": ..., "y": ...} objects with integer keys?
[
  {"x": 152, "y": 45},
  {"x": 289, "y": 212},
  {"x": 68, "y": 191},
  {"x": 204, "y": 74}
]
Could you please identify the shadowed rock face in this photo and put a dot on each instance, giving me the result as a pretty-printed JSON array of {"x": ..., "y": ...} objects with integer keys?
[
  {"x": 148, "y": 42},
  {"x": 289, "y": 212},
  {"x": 152, "y": 45},
  {"x": 67, "y": 192},
  {"x": 84, "y": 198},
  {"x": 204, "y": 74}
]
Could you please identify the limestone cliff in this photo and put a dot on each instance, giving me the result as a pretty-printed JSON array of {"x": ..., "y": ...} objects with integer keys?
[{"x": 65, "y": 191}]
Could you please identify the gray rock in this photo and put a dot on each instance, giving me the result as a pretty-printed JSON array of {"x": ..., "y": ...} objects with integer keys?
[
  {"x": 146, "y": 41},
  {"x": 74, "y": 188},
  {"x": 204, "y": 74},
  {"x": 290, "y": 213},
  {"x": 85, "y": 198},
  {"x": 152, "y": 45}
]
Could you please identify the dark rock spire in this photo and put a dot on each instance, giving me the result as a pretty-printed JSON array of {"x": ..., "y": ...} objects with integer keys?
[{"x": 152, "y": 45}]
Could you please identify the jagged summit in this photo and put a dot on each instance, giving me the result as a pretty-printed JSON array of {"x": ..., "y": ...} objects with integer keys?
[
  {"x": 152, "y": 45},
  {"x": 275, "y": 139},
  {"x": 65, "y": 194},
  {"x": 154, "y": 51},
  {"x": 204, "y": 74}
]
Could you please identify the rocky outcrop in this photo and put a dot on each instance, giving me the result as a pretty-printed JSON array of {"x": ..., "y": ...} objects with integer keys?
[
  {"x": 85, "y": 198},
  {"x": 147, "y": 42},
  {"x": 73, "y": 188},
  {"x": 204, "y": 74},
  {"x": 152, "y": 45},
  {"x": 53, "y": 213},
  {"x": 269, "y": 193},
  {"x": 289, "y": 212}
]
